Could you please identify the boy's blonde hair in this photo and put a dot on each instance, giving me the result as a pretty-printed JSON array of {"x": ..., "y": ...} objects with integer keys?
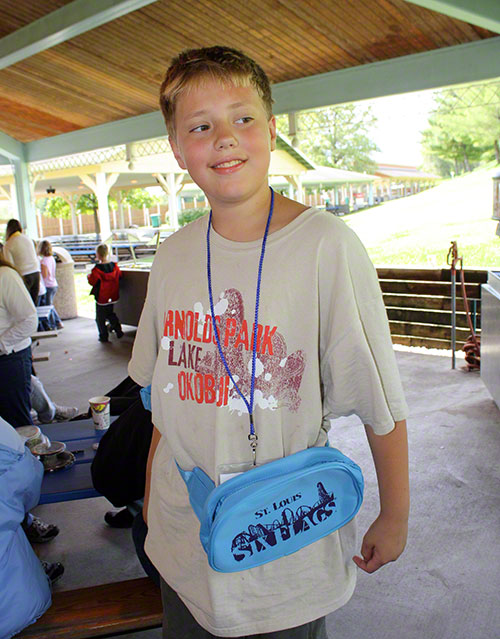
[
  {"x": 223, "y": 64},
  {"x": 102, "y": 251}
]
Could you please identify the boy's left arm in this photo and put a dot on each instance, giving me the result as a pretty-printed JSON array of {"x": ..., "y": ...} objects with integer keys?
[
  {"x": 386, "y": 538},
  {"x": 92, "y": 277}
]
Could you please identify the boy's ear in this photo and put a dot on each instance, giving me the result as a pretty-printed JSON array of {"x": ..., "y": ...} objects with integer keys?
[
  {"x": 272, "y": 131},
  {"x": 176, "y": 152}
]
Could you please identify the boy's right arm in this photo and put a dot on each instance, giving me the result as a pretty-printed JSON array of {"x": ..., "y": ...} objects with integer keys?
[{"x": 152, "y": 449}]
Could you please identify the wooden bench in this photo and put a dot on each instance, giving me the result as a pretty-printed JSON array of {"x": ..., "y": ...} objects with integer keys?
[
  {"x": 41, "y": 356},
  {"x": 44, "y": 334},
  {"x": 100, "y": 611}
]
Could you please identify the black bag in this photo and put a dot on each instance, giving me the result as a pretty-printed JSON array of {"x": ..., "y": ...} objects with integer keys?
[{"x": 119, "y": 466}]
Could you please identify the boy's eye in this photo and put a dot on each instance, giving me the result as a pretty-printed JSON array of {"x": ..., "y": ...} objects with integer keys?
[
  {"x": 245, "y": 119},
  {"x": 200, "y": 127}
]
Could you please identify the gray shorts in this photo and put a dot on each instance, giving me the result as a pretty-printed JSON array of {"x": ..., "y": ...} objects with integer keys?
[{"x": 179, "y": 623}]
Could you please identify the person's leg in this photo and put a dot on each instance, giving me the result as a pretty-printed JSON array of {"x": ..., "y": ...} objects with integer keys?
[
  {"x": 15, "y": 388},
  {"x": 32, "y": 282},
  {"x": 313, "y": 630},
  {"x": 114, "y": 322},
  {"x": 139, "y": 532},
  {"x": 54, "y": 318},
  {"x": 100, "y": 320},
  {"x": 177, "y": 620},
  {"x": 50, "y": 294},
  {"x": 41, "y": 402}
]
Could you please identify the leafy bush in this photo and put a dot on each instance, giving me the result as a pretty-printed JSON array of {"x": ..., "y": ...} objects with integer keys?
[{"x": 189, "y": 215}]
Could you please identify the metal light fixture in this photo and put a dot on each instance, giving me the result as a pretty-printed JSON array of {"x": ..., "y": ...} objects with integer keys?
[{"x": 51, "y": 190}]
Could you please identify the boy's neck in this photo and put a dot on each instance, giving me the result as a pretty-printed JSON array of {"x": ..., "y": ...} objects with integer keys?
[{"x": 246, "y": 222}]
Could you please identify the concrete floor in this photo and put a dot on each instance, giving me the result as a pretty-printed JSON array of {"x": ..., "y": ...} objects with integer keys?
[{"x": 447, "y": 583}]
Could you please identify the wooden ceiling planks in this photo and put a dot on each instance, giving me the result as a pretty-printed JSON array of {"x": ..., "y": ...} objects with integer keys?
[{"x": 114, "y": 71}]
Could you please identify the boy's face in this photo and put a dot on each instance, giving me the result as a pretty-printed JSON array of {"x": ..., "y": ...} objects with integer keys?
[{"x": 223, "y": 137}]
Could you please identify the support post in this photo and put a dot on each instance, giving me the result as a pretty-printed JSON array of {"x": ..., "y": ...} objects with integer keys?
[
  {"x": 25, "y": 209},
  {"x": 101, "y": 186}
]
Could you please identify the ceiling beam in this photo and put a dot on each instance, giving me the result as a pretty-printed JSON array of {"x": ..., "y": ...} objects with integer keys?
[
  {"x": 62, "y": 24},
  {"x": 482, "y": 13},
  {"x": 473, "y": 62},
  {"x": 139, "y": 127},
  {"x": 10, "y": 148}
]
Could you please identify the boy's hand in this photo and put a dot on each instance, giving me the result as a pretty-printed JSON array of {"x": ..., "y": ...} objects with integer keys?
[{"x": 384, "y": 541}]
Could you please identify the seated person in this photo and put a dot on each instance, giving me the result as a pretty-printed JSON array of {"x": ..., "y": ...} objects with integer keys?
[
  {"x": 45, "y": 409},
  {"x": 25, "y": 582},
  {"x": 119, "y": 467}
]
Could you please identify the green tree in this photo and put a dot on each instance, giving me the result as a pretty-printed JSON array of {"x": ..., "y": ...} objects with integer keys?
[
  {"x": 137, "y": 198},
  {"x": 54, "y": 207},
  {"x": 87, "y": 205},
  {"x": 485, "y": 118},
  {"x": 464, "y": 128},
  {"x": 337, "y": 136}
]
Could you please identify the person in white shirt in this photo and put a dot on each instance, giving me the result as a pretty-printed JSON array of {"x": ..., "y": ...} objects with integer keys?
[
  {"x": 19, "y": 250},
  {"x": 18, "y": 321}
]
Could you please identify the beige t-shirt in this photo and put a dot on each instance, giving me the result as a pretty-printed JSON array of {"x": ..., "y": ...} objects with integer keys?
[{"x": 323, "y": 351}]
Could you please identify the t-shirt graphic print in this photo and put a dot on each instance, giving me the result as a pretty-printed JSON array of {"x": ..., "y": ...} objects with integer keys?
[{"x": 188, "y": 336}]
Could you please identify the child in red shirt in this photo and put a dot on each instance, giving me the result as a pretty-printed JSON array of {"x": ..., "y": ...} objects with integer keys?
[{"x": 105, "y": 281}]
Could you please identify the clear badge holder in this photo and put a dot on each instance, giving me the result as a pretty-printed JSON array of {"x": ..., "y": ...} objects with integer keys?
[{"x": 228, "y": 471}]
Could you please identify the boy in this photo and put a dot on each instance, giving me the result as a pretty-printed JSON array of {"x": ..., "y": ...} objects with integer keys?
[
  {"x": 323, "y": 350},
  {"x": 105, "y": 281}
]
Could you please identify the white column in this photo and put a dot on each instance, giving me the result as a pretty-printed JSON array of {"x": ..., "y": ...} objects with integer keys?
[
  {"x": 23, "y": 198},
  {"x": 74, "y": 224},
  {"x": 120, "y": 209},
  {"x": 173, "y": 208},
  {"x": 101, "y": 186},
  {"x": 172, "y": 184},
  {"x": 40, "y": 225}
]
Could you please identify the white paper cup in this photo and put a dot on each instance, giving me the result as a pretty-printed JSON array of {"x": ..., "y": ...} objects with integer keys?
[{"x": 99, "y": 407}]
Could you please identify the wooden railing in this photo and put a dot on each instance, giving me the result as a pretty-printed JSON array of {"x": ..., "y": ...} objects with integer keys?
[{"x": 418, "y": 303}]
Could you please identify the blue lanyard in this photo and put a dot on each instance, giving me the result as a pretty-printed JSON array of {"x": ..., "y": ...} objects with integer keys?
[{"x": 252, "y": 437}]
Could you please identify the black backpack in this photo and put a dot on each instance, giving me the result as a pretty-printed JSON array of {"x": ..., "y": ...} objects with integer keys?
[{"x": 119, "y": 466}]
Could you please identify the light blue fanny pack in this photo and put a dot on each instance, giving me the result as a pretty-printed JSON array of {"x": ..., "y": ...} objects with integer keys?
[{"x": 275, "y": 509}]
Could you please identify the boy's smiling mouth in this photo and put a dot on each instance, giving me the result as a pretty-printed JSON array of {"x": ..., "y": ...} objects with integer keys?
[{"x": 227, "y": 165}]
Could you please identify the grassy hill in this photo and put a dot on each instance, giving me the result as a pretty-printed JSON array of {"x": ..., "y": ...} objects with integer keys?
[{"x": 418, "y": 230}]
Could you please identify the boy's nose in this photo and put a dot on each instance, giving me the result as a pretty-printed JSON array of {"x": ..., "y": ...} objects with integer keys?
[
  {"x": 226, "y": 143},
  {"x": 225, "y": 139}
]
